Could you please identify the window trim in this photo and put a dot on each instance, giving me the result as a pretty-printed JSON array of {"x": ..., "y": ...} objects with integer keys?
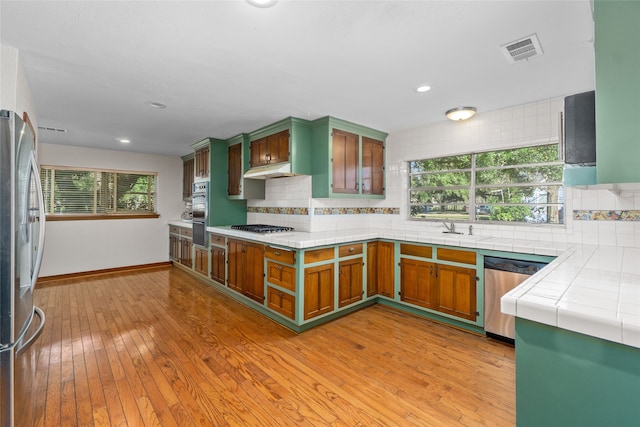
[
  {"x": 472, "y": 187},
  {"x": 104, "y": 216}
]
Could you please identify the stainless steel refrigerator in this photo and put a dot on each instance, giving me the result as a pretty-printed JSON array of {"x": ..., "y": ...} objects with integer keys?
[{"x": 21, "y": 245}]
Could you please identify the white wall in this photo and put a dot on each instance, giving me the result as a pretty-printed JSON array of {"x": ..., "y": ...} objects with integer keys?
[
  {"x": 79, "y": 246},
  {"x": 15, "y": 94}
]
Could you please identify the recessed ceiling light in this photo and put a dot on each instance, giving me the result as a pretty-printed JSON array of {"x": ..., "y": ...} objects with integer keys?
[
  {"x": 262, "y": 3},
  {"x": 423, "y": 88},
  {"x": 156, "y": 104},
  {"x": 124, "y": 140}
]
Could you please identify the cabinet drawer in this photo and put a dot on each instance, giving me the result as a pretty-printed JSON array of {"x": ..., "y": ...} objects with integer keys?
[
  {"x": 217, "y": 239},
  {"x": 456, "y": 255},
  {"x": 318, "y": 255},
  {"x": 281, "y": 255},
  {"x": 174, "y": 229},
  {"x": 416, "y": 250},
  {"x": 281, "y": 302},
  {"x": 186, "y": 232},
  {"x": 347, "y": 250},
  {"x": 281, "y": 275}
]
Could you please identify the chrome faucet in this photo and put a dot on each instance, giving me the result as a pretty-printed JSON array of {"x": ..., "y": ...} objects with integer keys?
[{"x": 451, "y": 229}]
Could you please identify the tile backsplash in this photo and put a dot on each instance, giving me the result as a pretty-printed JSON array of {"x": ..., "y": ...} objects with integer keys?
[{"x": 593, "y": 213}]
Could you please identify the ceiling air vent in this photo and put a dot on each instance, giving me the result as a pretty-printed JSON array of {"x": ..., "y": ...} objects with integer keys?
[
  {"x": 52, "y": 129},
  {"x": 521, "y": 49}
]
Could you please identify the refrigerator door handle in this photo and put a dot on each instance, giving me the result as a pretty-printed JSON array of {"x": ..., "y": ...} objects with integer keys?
[
  {"x": 41, "y": 213},
  {"x": 25, "y": 342}
]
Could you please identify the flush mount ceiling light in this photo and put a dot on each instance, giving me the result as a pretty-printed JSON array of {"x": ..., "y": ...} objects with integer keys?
[
  {"x": 262, "y": 3},
  {"x": 461, "y": 113},
  {"x": 156, "y": 104},
  {"x": 423, "y": 88},
  {"x": 124, "y": 140}
]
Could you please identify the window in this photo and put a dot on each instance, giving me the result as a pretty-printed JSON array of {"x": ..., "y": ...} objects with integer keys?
[
  {"x": 97, "y": 194},
  {"x": 517, "y": 185}
]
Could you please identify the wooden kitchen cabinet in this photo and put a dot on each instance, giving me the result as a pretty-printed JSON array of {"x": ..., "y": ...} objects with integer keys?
[
  {"x": 281, "y": 302},
  {"x": 349, "y": 282},
  {"x": 188, "y": 173},
  {"x": 318, "y": 290},
  {"x": 380, "y": 268},
  {"x": 348, "y": 159},
  {"x": 246, "y": 268},
  {"x": 235, "y": 170},
  {"x": 237, "y": 163},
  {"x": 218, "y": 264},
  {"x": 201, "y": 261},
  {"x": 180, "y": 246},
  {"x": 417, "y": 283},
  {"x": 372, "y": 166},
  {"x": 456, "y": 291},
  {"x": 270, "y": 149},
  {"x": 218, "y": 257},
  {"x": 281, "y": 275},
  {"x": 202, "y": 162},
  {"x": 174, "y": 247},
  {"x": 186, "y": 256},
  {"x": 344, "y": 162}
]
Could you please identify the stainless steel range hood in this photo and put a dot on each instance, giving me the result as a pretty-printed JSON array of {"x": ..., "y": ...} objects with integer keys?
[{"x": 270, "y": 171}]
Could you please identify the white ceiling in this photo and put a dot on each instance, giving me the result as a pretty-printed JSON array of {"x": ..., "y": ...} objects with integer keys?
[{"x": 225, "y": 67}]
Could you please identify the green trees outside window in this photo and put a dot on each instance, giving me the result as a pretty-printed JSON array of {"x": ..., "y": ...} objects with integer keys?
[
  {"x": 515, "y": 185},
  {"x": 96, "y": 192}
]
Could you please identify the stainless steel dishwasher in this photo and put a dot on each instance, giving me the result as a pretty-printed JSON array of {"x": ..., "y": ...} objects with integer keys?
[{"x": 500, "y": 276}]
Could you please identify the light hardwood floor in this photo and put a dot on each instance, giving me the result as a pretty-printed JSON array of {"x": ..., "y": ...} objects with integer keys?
[{"x": 161, "y": 348}]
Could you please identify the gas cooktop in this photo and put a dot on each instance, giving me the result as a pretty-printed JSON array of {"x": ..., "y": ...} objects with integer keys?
[{"x": 262, "y": 228}]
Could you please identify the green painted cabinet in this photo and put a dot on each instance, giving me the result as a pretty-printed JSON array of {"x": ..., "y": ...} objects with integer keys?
[
  {"x": 617, "y": 91},
  {"x": 565, "y": 378},
  {"x": 349, "y": 159},
  {"x": 222, "y": 209}
]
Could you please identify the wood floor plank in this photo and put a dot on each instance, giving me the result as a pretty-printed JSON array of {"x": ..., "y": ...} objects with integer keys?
[{"x": 160, "y": 348}]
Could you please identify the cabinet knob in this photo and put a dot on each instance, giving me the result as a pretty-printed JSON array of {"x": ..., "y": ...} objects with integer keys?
[
  {"x": 276, "y": 253},
  {"x": 352, "y": 249}
]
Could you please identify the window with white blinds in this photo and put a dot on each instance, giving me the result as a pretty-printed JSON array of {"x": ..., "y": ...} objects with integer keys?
[{"x": 71, "y": 192}]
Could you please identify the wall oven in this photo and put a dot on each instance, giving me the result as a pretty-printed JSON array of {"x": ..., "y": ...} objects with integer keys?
[{"x": 200, "y": 209}]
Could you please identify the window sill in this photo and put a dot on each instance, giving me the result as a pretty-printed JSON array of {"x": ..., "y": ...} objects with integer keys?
[{"x": 62, "y": 217}]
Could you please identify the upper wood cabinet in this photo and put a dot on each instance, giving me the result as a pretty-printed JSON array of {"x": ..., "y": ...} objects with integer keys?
[
  {"x": 286, "y": 143},
  {"x": 270, "y": 149},
  {"x": 188, "y": 167},
  {"x": 349, "y": 159},
  {"x": 202, "y": 158},
  {"x": 237, "y": 164},
  {"x": 372, "y": 166},
  {"x": 234, "y": 187},
  {"x": 344, "y": 162}
]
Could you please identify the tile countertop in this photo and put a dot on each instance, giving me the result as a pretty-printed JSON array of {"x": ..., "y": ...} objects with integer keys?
[{"x": 593, "y": 290}]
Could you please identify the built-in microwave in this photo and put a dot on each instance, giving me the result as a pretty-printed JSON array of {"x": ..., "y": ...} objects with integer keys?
[
  {"x": 200, "y": 201},
  {"x": 199, "y": 208}
]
